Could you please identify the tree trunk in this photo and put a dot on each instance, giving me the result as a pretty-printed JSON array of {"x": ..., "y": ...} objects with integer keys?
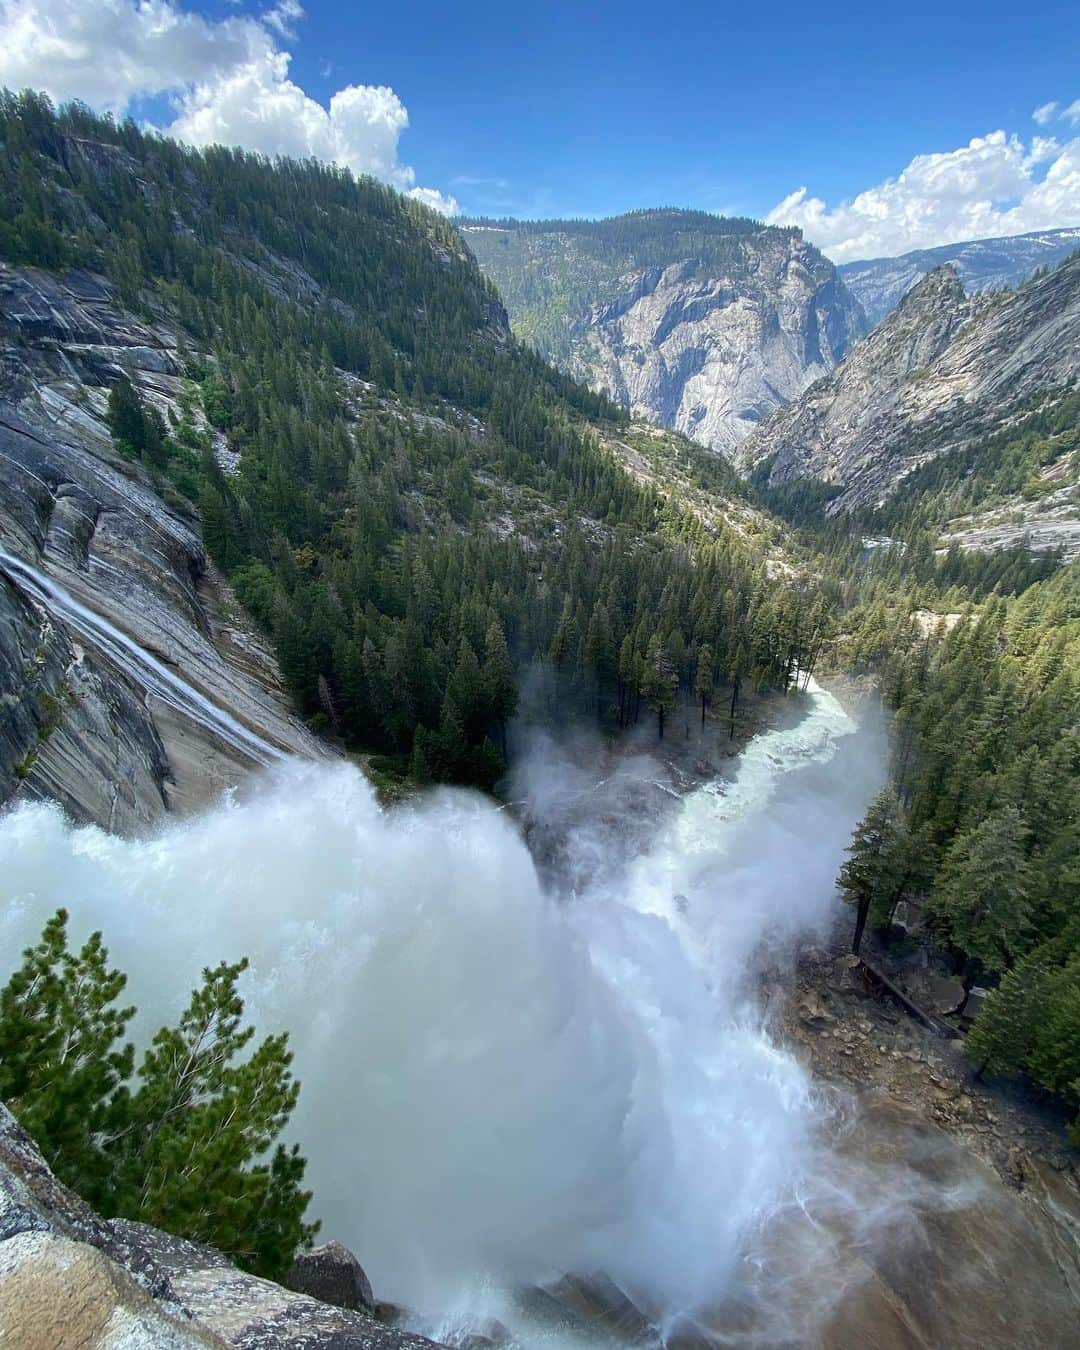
[
  {"x": 703, "y": 712},
  {"x": 971, "y": 974},
  {"x": 660, "y": 722},
  {"x": 734, "y": 701},
  {"x": 860, "y": 923}
]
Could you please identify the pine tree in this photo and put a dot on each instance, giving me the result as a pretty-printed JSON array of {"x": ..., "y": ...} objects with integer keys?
[
  {"x": 981, "y": 896},
  {"x": 874, "y": 872},
  {"x": 204, "y": 1115},
  {"x": 705, "y": 679},
  {"x": 499, "y": 684},
  {"x": 184, "y": 1144},
  {"x": 660, "y": 682},
  {"x": 61, "y": 1069}
]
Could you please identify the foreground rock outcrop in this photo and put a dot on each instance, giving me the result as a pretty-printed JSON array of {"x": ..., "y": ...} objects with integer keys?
[
  {"x": 69, "y": 1280},
  {"x": 131, "y": 684}
]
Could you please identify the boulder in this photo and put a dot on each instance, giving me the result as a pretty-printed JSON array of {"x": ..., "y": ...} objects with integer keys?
[
  {"x": 943, "y": 994},
  {"x": 332, "y": 1274},
  {"x": 845, "y": 974},
  {"x": 976, "y": 999},
  {"x": 60, "y": 1294},
  {"x": 686, "y": 1334},
  {"x": 604, "y": 1307},
  {"x": 813, "y": 1012}
]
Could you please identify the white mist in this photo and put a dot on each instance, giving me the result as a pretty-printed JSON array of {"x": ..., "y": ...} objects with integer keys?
[{"x": 498, "y": 1084}]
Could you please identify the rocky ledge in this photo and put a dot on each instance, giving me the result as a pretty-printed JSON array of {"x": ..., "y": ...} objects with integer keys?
[{"x": 70, "y": 1280}]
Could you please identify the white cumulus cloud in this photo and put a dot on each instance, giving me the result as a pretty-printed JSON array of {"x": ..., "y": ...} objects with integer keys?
[
  {"x": 995, "y": 185},
  {"x": 227, "y": 80}
]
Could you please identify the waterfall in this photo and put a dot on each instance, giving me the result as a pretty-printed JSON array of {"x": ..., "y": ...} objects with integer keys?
[
  {"x": 136, "y": 663},
  {"x": 498, "y": 1083}
]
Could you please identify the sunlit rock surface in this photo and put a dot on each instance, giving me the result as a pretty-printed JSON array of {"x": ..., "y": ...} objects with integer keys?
[
  {"x": 942, "y": 369},
  {"x": 704, "y": 347},
  {"x": 879, "y": 284}
]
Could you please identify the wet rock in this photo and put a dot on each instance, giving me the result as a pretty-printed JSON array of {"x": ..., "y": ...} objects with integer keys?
[
  {"x": 686, "y": 1334},
  {"x": 600, "y": 1302},
  {"x": 334, "y": 1275},
  {"x": 553, "y": 1317}
]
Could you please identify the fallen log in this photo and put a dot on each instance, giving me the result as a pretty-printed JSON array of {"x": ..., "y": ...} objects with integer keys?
[{"x": 878, "y": 981}]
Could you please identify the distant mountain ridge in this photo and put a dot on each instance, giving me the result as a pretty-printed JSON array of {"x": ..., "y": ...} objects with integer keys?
[
  {"x": 942, "y": 375},
  {"x": 879, "y": 284},
  {"x": 698, "y": 322}
]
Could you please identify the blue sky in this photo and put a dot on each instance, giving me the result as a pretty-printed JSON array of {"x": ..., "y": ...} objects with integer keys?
[
  {"x": 892, "y": 126},
  {"x": 592, "y": 109}
]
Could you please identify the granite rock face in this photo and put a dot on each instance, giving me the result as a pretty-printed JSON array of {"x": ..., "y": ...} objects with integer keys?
[
  {"x": 117, "y": 639},
  {"x": 707, "y": 343},
  {"x": 713, "y": 355},
  {"x": 942, "y": 369}
]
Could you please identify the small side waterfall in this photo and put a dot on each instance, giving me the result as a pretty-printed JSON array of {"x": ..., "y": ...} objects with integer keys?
[{"x": 137, "y": 663}]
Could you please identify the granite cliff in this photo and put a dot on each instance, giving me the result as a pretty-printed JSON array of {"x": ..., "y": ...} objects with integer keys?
[
  {"x": 943, "y": 372},
  {"x": 132, "y": 684},
  {"x": 698, "y": 323}
]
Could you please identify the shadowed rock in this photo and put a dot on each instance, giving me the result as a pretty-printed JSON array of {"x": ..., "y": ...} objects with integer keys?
[{"x": 331, "y": 1273}]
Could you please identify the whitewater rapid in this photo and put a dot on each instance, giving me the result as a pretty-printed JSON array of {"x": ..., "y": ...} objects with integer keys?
[{"x": 499, "y": 1083}]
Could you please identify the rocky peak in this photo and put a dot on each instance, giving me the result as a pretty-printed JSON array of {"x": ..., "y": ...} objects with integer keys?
[
  {"x": 941, "y": 368},
  {"x": 983, "y": 265}
]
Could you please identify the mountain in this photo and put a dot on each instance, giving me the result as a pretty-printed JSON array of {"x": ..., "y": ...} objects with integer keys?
[
  {"x": 951, "y": 391},
  {"x": 981, "y": 264},
  {"x": 278, "y": 480},
  {"x": 697, "y": 322}
]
